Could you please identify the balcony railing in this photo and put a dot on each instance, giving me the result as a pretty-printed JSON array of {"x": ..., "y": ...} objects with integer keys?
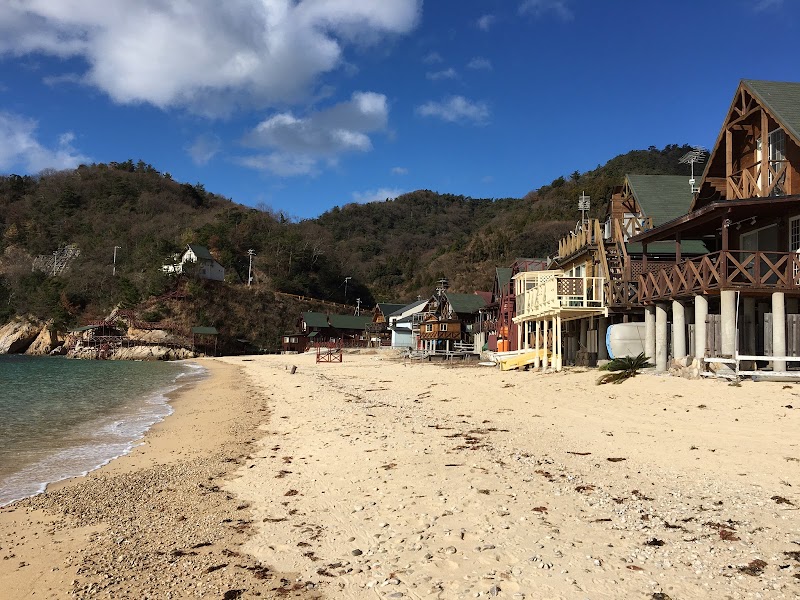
[
  {"x": 557, "y": 294},
  {"x": 733, "y": 269}
]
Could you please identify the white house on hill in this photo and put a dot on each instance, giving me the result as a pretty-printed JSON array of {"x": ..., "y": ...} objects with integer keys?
[{"x": 197, "y": 261}]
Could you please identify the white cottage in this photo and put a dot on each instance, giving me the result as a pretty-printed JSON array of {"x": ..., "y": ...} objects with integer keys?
[{"x": 197, "y": 261}]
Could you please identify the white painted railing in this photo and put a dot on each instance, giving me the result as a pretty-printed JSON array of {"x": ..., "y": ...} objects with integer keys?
[{"x": 552, "y": 292}]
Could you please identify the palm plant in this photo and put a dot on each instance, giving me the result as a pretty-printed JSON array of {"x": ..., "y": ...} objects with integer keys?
[{"x": 622, "y": 368}]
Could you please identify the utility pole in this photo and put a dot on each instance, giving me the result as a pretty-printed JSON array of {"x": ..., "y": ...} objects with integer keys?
[
  {"x": 358, "y": 307},
  {"x": 251, "y": 253},
  {"x": 346, "y": 279},
  {"x": 114, "y": 268}
]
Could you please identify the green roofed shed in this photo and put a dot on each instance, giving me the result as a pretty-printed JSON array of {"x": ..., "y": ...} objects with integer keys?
[
  {"x": 201, "y": 252},
  {"x": 465, "y": 303},
  {"x": 315, "y": 320},
  {"x": 352, "y": 322},
  {"x": 204, "y": 331}
]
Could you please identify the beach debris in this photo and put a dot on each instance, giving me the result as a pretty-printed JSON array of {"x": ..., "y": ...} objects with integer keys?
[
  {"x": 654, "y": 542},
  {"x": 232, "y": 594},
  {"x": 616, "y": 459},
  {"x": 580, "y": 453},
  {"x": 660, "y": 596},
  {"x": 539, "y": 509},
  {"x": 584, "y": 488},
  {"x": 213, "y": 568},
  {"x": 294, "y": 369},
  {"x": 640, "y": 496},
  {"x": 282, "y": 473},
  {"x": 782, "y": 500},
  {"x": 356, "y": 552},
  {"x": 291, "y": 493},
  {"x": 753, "y": 568},
  {"x": 634, "y": 568}
]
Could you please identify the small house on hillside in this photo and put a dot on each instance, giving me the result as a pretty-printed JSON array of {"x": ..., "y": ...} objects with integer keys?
[
  {"x": 196, "y": 261},
  {"x": 315, "y": 328}
]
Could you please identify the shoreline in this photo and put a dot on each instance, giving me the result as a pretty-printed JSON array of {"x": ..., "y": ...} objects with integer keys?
[{"x": 156, "y": 521}]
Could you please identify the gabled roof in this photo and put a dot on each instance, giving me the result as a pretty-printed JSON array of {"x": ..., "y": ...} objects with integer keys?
[
  {"x": 409, "y": 307},
  {"x": 465, "y": 303},
  {"x": 315, "y": 319},
  {"x": 780, "y": 98},
  {"x": 350, "y": 321},
  {"x": 661, "y": 197},
  {"x": 201, "y": 252},
  {"x": 503, "y": 275},
  {"x": 387, "y": 309}
]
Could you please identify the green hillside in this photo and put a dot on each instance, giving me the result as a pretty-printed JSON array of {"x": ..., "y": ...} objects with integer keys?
[{"x": 391, "y": 251}]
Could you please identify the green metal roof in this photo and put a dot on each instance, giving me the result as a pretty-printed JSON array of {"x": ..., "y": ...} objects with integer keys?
[
  {"x": 313, "y": 334},
  {"x": 661, "y": 197},
  {"x": 465, "y": 303},
  {"x": 205, "y": 331},
  {"x": 780, "y": 98},
  {"x": 388, "y": 309},
  {"x": 350, "y": 321},
  {"x": 503, "y": 275},
  {"x": 315, "y": 319},
  {"x": 201, "y": 252}
]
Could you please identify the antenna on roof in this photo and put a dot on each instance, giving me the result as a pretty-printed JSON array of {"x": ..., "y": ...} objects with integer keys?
[
  {"x": 696, "y": 155},
  {"x": 583, "y": 206}
]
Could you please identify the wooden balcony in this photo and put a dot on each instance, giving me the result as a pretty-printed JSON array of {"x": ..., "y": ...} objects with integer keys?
[
  {"x": 551, "y": 293},
  {"x": 757, "y": 272},
  {"x": 748, "y": 183}
]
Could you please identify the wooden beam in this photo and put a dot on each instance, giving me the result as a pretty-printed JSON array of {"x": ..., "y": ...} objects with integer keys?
[
  {"x": 728, "y": 164},
  {"x": 763, "y": 181},
  {"x": 678, "y": 248}
]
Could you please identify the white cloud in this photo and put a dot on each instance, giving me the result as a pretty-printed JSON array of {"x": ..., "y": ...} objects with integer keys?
[
  {"x": 378, "y": 195},
  {"x": 445, "y": 74},
  {"x": 762, "y": 5},
  {"x": 297, "y": 143},
  {"x": 432, "y": 58},
  {"x": 19, "y": 148},
  {"x": 204, "y": 148},
  {"x": 282, "y": 164},
  {"x": 480, "y": 63},
  {"x": 399, "y": 171},
  {"x": 456, "y": 109},
  {"x": 207, "y": 55},
  {"x": 485, "y": 22},
  {"x": 538, "y": 8}
]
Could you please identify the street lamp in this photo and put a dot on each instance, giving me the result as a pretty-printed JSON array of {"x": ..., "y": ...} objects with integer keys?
[
  {"x": 346, "y": 279},
  {"x": 114, "y": 268},
  {"x": 251, "y": 253}
]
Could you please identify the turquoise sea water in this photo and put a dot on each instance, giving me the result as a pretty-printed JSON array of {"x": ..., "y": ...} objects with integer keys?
[{"x": 61, "y": 418}]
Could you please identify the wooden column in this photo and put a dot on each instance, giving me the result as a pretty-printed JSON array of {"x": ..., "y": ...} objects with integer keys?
[
  {"x": 763, "y": 181},
  {"x": 729, "y": 194},
  {"x": 677, "y": 248}
]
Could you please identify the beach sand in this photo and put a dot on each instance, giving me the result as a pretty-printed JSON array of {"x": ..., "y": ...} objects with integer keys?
[
  {"x": 379, "y": 478},
  {"x": 385, "y": 479},
  {"x": 157, "y": 522}
]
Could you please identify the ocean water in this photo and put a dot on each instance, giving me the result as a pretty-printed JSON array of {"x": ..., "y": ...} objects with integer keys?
[{"x": 62, "y": 418}]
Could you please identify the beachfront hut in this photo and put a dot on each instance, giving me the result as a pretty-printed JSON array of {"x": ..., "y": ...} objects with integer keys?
[
  {"x": 401, "y": 324},
  {"x": 378, "y": 329},
  {"x": 745, "y": 290},
  {"x": 202, "y": 338},
  {"x": 447, "y": 322}
]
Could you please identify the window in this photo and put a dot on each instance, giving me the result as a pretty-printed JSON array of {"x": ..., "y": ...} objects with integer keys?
[
  {"x": 794, "y": 234},
  {"x": 428, "y": 328},
  {"x": 777, "y": 157},
  {"x": 443, "y": 327}
]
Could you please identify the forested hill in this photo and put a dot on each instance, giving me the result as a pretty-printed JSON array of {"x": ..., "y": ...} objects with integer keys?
[{"x": 392, "y": 250}]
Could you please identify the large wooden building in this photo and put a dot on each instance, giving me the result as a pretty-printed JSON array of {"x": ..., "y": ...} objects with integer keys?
[{"x": 742, "y": 295}]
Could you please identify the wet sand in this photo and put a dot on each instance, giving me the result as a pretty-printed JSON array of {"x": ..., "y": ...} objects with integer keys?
[{"x": 156, "y": 523}]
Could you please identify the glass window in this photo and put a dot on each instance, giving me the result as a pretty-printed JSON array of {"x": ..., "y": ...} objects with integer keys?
[
  {"x": 443, "y": 327},
  {"x": 428, "y": 328}
]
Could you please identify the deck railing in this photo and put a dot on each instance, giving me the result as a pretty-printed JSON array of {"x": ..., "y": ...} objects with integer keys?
[
  {"x": 733, "y": 269},
  {"x": 551, "y": 295}
]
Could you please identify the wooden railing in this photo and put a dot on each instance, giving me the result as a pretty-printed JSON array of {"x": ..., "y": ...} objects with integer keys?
[
  {"x": 585, "y": 234},
  {"x": 734, "y": 269},
  {"x": 748, "y": 183},
  {"x": 554, "y": 294}
]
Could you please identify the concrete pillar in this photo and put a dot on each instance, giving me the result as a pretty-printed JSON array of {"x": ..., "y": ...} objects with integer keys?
[
  {"x": 602, "y": 329},
  {"x": 747, "y": 324},
  {"x": 700, "y": 316},
  {"x": 727, "y": 299},
  {"x": 556, "y": 351},
  {"x": 559, "y": 360},
  {"x": 661, "y": 337},
  {"x": 537, "y": 346},
  {"x": 650, "y": 332},
  {"x": 778, "y": 330},
  {"x": 678, "y": 330},
  {"x": 544, "y": 345}
]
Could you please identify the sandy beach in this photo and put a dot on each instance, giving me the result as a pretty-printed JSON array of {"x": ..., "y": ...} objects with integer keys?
[{"x": 379, "y": 478}]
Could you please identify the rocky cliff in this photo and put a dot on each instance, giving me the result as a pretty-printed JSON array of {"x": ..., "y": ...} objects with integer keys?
[{"x": 17, "y": 335}]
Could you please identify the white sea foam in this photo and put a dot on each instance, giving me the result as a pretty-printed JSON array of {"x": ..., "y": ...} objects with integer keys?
[{"x": 95, "y": 443}]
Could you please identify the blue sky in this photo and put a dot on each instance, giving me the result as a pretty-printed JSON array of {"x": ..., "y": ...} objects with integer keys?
[{"x": 302, "y": 105}]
